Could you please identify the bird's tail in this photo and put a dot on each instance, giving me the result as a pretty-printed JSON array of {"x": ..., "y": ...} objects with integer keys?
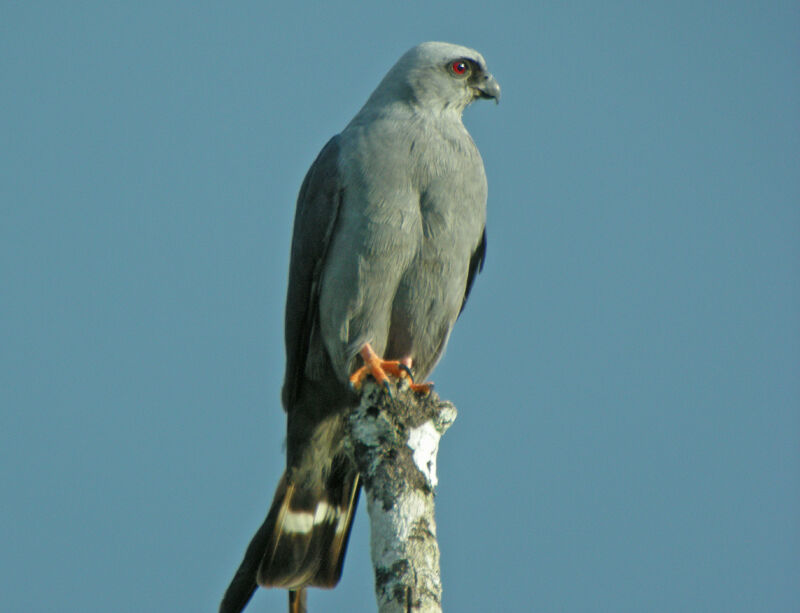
[
  {"x": 310, "y": 534},
  {"x": 302, "y": 541}
]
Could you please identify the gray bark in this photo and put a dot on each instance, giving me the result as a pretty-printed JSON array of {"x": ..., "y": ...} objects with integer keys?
[{"x": 394, "y": 441}]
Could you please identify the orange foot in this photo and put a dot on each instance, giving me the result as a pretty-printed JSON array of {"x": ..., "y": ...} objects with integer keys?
[{"x": 379, "y": 369}]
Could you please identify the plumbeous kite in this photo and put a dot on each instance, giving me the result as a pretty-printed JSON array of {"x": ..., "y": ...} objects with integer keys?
[{"x": 389, "y": 234}]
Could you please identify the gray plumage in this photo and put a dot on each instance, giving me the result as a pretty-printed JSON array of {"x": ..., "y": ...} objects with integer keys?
[{"x": 388, "y": 237}]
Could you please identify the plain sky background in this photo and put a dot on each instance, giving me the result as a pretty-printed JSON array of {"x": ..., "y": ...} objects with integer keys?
[{"x": 627, "y": 371}]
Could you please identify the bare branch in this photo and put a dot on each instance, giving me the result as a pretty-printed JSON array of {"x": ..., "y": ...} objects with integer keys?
[{"x": 394, "y": 441}]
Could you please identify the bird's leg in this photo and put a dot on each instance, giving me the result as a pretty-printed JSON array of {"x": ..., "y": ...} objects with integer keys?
[
  {"x": 379, "y": 369},
  {"x": 375, "y": 366}
]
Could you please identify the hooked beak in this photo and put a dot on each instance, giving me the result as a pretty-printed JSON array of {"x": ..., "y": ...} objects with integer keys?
[{"x": 487, "y": 87}]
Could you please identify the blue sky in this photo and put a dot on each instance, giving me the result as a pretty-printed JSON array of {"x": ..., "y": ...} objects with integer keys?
[{"x": 626, "y": 370}]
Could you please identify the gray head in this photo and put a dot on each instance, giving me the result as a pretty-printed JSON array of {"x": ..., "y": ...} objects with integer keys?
[{"x": 437, "y": 76}]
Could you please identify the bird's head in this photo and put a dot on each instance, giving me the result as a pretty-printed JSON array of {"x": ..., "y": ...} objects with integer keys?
[{"x": 439, "y": 76}]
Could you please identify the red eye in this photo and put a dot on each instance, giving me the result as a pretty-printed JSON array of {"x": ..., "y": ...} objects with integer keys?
[{"x": 459, "y": 67}]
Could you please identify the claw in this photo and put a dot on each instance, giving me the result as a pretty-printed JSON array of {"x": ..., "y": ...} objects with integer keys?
[
  {"x": 379, "y": 369},
  {"x": 406, "y": 370}
]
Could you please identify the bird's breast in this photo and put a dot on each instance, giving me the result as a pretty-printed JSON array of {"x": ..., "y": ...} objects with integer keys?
[{"x": 413, "y": 212}]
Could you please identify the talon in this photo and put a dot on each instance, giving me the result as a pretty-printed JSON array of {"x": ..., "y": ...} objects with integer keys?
[
  {"x": 406, "y": 370},
  {"x": 357, "y": 378},
  {"x": 380, "y": 369}
]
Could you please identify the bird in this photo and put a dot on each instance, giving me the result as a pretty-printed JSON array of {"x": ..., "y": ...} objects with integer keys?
[{"x": 389, "y": 234}]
